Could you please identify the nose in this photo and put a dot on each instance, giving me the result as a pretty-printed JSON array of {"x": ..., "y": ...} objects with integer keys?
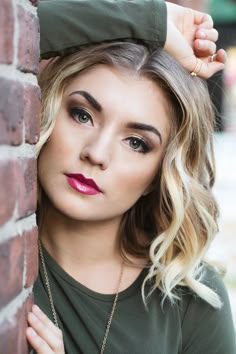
[{"x": 97, "y": 151}]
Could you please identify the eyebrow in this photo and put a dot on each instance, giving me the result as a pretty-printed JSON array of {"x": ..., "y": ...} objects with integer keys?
[
  {"x": 133, "y": 125},
  {"x": 142, "y": 126},
  {"x": 91, "y": 100}
]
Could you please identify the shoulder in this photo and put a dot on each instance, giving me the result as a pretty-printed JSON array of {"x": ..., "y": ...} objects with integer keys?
[
  {"x": 212, "y": 278},
  {"x": 206, "y": 329},
  {"x": 193, "y": 303}
]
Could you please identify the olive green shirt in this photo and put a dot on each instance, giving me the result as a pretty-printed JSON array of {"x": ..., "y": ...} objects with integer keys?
[
  {"x": 190, "y": 327},
  {"x": 65, "y": 25}
]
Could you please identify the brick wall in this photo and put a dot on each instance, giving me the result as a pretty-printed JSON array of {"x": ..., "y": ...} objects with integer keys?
[{"x": 19, "y": 130}]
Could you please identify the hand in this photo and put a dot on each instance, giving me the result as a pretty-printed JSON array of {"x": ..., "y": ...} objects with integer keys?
[
  {"x": 42, "y": 334},
  {"x": 190, "y": 35}
]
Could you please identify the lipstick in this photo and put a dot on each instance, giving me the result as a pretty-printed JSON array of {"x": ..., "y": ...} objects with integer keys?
[{"x": 82, "y": 184}]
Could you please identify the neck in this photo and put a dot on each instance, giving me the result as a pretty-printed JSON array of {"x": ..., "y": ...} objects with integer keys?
[
  {"x": 88, "y": 251},
  {"x": 80, "y": 242}
]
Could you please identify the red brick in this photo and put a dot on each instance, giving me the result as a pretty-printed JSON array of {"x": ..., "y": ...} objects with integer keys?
[
  {"x": 11, "y": 112},
  {"x": 8, "y": 179},
  {"x": 8, "y": 336},
  {"x": 12, "y": 332},
  {"x": 28, "y": 45},
  {"x": 31, "y": 254},
  {"x": 11, "y": 265},
  {"x": 27, "y": 193},
  {"x": 7, "y": 32},
  {"x": 31, "y": 114}
]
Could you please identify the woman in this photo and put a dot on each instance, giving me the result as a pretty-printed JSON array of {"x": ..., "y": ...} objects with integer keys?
[{"x": 126, "y": 213}]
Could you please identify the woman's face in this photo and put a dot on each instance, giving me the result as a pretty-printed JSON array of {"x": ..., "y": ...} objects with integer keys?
[{"x": 106, "y": 146}]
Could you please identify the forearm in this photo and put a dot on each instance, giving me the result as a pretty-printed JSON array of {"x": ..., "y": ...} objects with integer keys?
[
  {"x": 188, "y": 35},
  {"x": 67, "y": 24}
]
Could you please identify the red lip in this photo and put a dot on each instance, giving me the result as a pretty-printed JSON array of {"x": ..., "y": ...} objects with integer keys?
[{"x": 85, "y": 181}]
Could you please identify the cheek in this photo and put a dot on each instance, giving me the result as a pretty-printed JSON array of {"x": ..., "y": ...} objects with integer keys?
[
  {"x": 129, "y": 186},
  {"x": 57, "y": 149},
  {"x": 46, "y": 159},
  {"x": 134, "y": 180},
  {"x": 44, "y": 171},
  {"x": 49, "y": 161},
  {"x": 43, "y": 162}
]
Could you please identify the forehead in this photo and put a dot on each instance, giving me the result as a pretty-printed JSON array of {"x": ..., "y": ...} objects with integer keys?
[{"x": 99, "y": 76}]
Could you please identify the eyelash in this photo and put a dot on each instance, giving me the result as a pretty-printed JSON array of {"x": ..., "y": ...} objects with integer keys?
[
  {"x": 144, "y": 145},
  {"x": 76, "y": 111}
]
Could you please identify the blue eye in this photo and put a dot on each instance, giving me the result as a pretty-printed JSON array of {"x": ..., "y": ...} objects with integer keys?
[
  {"x": 138, "y": 145},
  {"x": 80, "y": 115}
]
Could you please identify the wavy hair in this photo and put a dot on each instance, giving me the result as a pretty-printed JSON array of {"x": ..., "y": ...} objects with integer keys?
[{"x": 178, "y": 218}]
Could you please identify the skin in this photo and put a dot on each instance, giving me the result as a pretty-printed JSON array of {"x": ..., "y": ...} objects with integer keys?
[
  {"x": 104, "y": 144},
  {"x": 101, "y": 143},
  {"x": 42, "y": 334},
  {"x": 191, "y": 35}
]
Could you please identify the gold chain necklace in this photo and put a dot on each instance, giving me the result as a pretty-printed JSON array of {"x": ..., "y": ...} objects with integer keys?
[{"x": 52, "y": 303}]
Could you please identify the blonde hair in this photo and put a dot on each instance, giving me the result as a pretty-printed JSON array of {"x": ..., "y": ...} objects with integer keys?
[{"x": 178, "y": 217}]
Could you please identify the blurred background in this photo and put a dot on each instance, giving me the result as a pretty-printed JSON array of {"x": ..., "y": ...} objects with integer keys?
[{"x": 222, "y": 87}]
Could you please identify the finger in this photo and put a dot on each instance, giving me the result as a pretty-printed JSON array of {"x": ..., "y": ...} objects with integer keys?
[
  {"x": 203, "y": 20},
  {"x": 221, "y": 56},
  {"x": 37, "y": 343},
  {"x": 210, "y": 68},
  {"x": 204, "y": 48},
  {"x": 210, "y": 34},
  {"x": 45, "y": 320},
  {"x": 54, "y": 341}
]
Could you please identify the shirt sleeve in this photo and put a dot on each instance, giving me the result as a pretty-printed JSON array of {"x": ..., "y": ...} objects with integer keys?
[
  {"x": 209, "y": 330},
  {"x": 65, "y": 25}
]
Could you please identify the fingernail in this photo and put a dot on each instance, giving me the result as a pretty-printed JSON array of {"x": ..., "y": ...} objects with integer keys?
[
  {"x": 36, "y": 309},
  {"x": 202, "y": 34},
  {"x": 31, "y": 331},
  {"x": 33, "y": 318},
  {"x": 200, "y": 44}
]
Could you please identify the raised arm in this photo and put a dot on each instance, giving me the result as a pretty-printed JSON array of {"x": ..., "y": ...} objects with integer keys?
[
  {"x": 186, "y": 34},
  {"x": 67, "y": 24}
]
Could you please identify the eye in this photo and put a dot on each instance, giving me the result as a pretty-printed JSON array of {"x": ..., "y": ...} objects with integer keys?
[
  {"x": 80, "y": 115},
  {"x": 138, "y": 144}
]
